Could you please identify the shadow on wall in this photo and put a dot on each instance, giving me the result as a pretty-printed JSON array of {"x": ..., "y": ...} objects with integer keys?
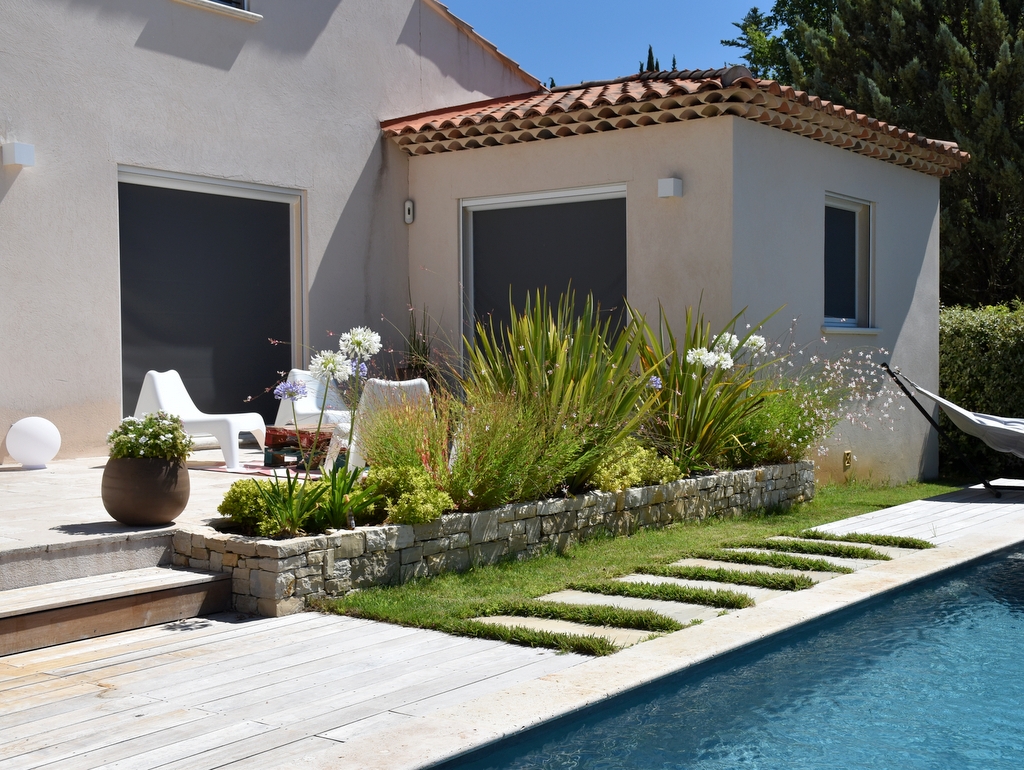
[
  {"x": 364, "y": 273},
  {"x": 7, "y": 176},
  {"x": 437, "y": 39},
  {"x": 290, "y": 27}
]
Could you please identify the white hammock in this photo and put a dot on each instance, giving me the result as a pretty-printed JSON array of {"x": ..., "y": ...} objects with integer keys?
[{"x": 1004, "y": 434}]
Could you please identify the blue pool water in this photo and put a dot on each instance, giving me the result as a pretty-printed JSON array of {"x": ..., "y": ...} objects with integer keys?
[{"x": 931, "y": 678}]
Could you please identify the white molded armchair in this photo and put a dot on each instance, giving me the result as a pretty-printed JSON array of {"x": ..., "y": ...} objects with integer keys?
[
  {"x": 307, "y": 409},
  {"x": 377, "y": 394},
  {"x": 165, "y": 391}
]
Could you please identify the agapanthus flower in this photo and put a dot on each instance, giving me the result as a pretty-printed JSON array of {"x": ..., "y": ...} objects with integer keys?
[
  {"x": 359, "y": 370},
  {"x": 360, "y": 343},
  {"x": 727, "y": 343},
  {"x": 328, "y": 365},
  {"x": 290, "y": 391},
  {"x": 702, "y": 356},
  {"x": 755, "y": 344},
  {"x": 655, "y": 382},
  {"x": 723, "y": 360}
]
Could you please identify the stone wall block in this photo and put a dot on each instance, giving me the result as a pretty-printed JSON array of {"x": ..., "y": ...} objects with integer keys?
[
  {"x": 551, "y": 507},
  {"x": 243, "y": 546},
  {"x": 216, "y": 561},
  {"x": 217, "y": 543},
  {"x": 454, "y": 523},
  {"x": 459, "y": 540},
  {"x": 413, "y": 571},
  {"x": 349, "y": 544},
  {"x": 376, "y": 539},
  {"x": 342, "y": 570},
  {"x": 229, "y": 559},
  {"x": 487, "y": 553},
  {"x": 315, "y": 558},
  {"x": 380, "y": 568},
  {"x": 517, "y": 544},
  {"x": 305, "y": 572},
  {"x": 246, "y": 604},
  {"x": 200, "y": 564},
  {"x": 430, "y": 547},
  {"x": 483, "y": 527},
  {"x": 337, "y": 587},
  {"x": 182, "y": 542},
  {"x": 526, "y": 511},
  {"x": 411, "y": 555},
  {"x": 276, "y": 608},
  {"x": 179, "y": 560},
  {"x": 428, "y": 531},
  {"x": 271, "y": 585},
  {"x": 533, "y": 530},
  {"x": 506, "y": 513},
  {"x": 282, "y": 565},
  {"x": 404, "y": 536},
  {"x": 456, "y": 560}
]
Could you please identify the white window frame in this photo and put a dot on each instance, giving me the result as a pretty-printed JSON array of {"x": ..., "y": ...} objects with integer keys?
[
  {"x": 296, "y": 200},
  {"x": 865, "y": 275},
  {"x": 517, "y": 200},
  {"x": 243, "y": 14}
]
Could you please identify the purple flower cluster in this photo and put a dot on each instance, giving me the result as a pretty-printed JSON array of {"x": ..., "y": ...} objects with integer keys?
[
  {"x": 289, "y": 391},
  {"x": 655, "y": 382}
]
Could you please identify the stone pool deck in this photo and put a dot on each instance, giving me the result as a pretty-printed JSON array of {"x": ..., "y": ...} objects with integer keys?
[{"x": 309, "y": 691}]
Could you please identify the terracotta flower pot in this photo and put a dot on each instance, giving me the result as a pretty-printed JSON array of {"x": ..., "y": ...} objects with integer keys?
[{"x": 145, "y": 491}]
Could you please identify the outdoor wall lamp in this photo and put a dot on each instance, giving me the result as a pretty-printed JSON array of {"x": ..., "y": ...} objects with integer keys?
[
  {"x": 19, "y": 154},
  {"x": 670, "y": 188}
]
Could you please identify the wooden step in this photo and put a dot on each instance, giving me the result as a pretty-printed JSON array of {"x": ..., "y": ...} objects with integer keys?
[{"x": 69, "y": 610}]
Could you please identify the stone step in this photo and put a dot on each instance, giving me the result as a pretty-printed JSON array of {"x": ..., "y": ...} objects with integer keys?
[
  {"x": 622, "y": 637},
  {"x": 854, "y": 564},
  {"x": 46, "y": 614},
  {"x": 678, "y": 611},
  {"x": 86, "y": 550},
  {"x": 711, "y": 564},
  {"x": 756, "y": 593},
  {"x": 890, "y": 551}
]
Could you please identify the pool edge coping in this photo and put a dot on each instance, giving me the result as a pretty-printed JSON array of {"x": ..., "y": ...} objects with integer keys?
[{"x": 446, "y": 735}]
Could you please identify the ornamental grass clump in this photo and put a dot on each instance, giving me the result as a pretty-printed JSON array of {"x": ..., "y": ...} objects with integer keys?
[
  {"x": 159, "y": 435},
  {"x": 571, "y": 371},
  {"x": 482, "y": 454},
  {"x": 704, "y": 386}
]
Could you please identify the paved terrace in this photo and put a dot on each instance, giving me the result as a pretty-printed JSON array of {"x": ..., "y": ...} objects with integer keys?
[{"x": 315, "y": 691}]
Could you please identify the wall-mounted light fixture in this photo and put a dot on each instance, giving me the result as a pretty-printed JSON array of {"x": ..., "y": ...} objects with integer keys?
[
  {"x": 410, "y": 212},
  {"x": 19, "y": 154},
  {"x": 670, "y": 188}
]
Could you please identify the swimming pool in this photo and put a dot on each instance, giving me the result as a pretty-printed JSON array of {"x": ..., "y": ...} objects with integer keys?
[{"x": 932, "y": 677}]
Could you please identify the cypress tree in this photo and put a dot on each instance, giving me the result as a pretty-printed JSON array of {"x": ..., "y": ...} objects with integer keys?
[{"x": 948, "y": 69}]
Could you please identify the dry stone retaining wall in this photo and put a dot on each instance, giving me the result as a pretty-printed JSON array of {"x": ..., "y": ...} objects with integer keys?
[{"x": 274, "y": 577}]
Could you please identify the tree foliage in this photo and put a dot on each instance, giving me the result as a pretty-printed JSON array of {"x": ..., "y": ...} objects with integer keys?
[{"x": 948, "y": 69}]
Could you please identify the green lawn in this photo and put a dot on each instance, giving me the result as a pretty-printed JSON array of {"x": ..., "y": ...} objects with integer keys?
[{"x": 448, "y": 602}]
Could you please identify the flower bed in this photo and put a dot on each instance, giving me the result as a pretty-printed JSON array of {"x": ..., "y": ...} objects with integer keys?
[{"x": 274, "y": 577}]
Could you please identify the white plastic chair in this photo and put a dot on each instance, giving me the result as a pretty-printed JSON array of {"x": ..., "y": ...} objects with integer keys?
[
  {"x": 307, "y": 408},
  {"x": 165, "y": 391},
  {"x": 376, "y": 394}
]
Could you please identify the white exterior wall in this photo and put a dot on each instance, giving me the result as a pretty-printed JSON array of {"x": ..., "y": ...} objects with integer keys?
[
  {"x": 293, "y": 101},
  {"x": 678, "y": 248},
  {"x": 747, "y": 233},
  {"x": 781, "y": 181}
]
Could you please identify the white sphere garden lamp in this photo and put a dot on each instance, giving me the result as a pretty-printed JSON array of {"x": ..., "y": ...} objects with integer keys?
[{"x": 33, "y": 442}]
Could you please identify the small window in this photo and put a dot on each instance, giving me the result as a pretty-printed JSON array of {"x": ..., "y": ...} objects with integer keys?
[
  {"x": 242, "y": 5},
  {"x": 847, "y": 263}
]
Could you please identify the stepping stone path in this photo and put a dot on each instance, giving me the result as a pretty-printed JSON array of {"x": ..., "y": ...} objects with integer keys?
[{"x": 682, "y": 612}]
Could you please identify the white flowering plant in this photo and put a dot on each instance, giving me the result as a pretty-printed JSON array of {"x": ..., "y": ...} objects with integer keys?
[
  {"x": 807, "y": 398},
  {"x": 707, "y": 386},
  {"x": 159, "y": 435}
]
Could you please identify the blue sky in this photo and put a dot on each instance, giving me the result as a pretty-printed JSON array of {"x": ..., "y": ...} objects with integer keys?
[{"x": 573, "y": 41}]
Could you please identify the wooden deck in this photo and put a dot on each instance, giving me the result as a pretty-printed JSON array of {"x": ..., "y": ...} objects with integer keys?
[
  {"x": 941, "y": 519},
  {"x": 223, "y": 692}
]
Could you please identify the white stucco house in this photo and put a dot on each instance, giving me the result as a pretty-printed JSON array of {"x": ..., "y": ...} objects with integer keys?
[{"x": 208, "y": 175}]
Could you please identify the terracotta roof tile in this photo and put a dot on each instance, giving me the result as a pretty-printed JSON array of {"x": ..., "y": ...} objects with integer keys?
[{"x": 667, "y": 97}]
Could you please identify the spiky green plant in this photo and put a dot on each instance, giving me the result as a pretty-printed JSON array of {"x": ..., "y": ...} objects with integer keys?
[
  {"x": 289, "y": 504},
  {"x": 566, "y": 367},
  {"x": 702, "y": 401}
]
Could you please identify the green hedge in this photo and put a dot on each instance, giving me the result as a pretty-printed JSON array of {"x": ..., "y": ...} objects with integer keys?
[{"x": 981, "y": 368}]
